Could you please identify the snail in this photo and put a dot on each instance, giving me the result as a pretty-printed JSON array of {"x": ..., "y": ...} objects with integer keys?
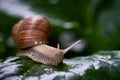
[{"x": 31, "y": 35}]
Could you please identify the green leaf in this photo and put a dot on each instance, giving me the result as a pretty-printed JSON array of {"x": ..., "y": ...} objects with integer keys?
[{"x": 102, "y": 66}]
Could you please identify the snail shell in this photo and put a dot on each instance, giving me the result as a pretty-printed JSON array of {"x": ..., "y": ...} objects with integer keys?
[
  {"x": 31, "y": 31},
  {"x": 31, "y": 36}
]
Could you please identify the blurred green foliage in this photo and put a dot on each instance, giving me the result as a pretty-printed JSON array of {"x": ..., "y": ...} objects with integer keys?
[{"x": 97, "y": 22}]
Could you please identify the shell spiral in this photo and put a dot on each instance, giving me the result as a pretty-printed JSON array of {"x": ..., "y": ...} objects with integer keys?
[{"x": 31, "y": 31}]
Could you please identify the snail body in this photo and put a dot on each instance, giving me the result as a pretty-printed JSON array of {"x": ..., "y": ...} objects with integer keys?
[{"x": 31, "y": 36}]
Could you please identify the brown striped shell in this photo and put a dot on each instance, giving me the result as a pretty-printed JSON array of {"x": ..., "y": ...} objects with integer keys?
[{"x": 31, "y": 31}]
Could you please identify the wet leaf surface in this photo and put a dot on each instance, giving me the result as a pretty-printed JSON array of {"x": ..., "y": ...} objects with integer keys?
[{"x": 102, "y": 66}]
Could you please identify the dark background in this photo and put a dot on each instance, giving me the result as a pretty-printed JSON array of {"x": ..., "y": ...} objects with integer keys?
[{"x": 96, "y": 22}]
